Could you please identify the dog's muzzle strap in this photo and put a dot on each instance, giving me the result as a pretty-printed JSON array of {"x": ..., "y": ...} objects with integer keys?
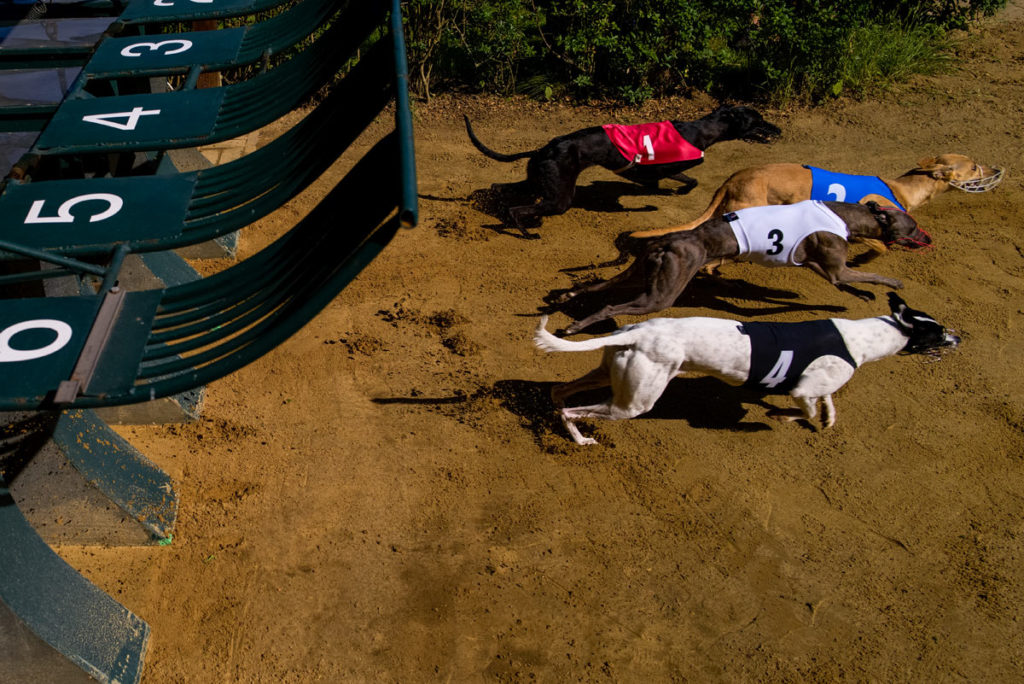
[{"x": 979, "y": 184}]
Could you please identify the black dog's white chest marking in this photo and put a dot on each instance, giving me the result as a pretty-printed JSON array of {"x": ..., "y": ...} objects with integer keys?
[{"x": 780, "y": 352}]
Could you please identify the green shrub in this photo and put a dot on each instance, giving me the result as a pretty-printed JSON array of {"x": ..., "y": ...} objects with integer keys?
[{"x": 633, "y": 50}]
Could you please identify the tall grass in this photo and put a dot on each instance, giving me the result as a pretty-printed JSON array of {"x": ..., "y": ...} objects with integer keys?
[
  {"x": 870, "y": 58},
  {"x": 882, "y": 54}
]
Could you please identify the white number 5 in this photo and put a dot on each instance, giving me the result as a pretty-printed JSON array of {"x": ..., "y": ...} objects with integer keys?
[{"x": 64, "y": 210}]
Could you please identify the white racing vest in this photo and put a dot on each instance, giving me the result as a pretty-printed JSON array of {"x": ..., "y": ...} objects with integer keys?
[{"x": 769, "y": 235}]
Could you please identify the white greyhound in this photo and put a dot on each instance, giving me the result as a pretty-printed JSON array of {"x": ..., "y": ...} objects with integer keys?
[{"x": 809, "y": 361}]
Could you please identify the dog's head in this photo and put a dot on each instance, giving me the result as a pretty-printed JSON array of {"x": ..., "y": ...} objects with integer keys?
[
  {"x": 745, "y": 123},
  {"x": 898, "y": 227},
  {"x": 961, "y": 172},
  {"x": 925, "y": 335}
]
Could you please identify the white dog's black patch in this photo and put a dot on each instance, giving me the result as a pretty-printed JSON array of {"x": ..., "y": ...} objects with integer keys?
[{"x": 780, "y": 352}]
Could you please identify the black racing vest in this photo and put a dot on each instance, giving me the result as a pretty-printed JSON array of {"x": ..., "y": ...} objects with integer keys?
[{"x": 780, "y": 352}]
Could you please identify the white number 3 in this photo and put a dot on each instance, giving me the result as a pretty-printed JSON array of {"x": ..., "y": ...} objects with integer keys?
[{"x": 132, "y": 51}]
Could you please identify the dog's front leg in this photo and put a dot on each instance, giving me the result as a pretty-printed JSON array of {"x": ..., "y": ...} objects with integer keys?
[
  {"x": 840, "y": 275},
  {"x": 686, "y": 183},
  {"x": 828, "y": 411},
  {"x": 808, "y": 410}
]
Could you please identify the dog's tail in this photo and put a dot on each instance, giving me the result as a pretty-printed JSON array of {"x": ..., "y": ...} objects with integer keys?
[
  {"x": 713, "y": 210},
  {"x": 549, "y": 343},
  {"x": 497, "y": 156}
]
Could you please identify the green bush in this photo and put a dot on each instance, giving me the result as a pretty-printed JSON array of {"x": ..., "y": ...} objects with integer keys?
[{"x": 633, "y": 50}]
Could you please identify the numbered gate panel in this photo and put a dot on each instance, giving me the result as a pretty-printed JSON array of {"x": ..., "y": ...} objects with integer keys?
[
  {"x": 133, "y": 122},
  {"x": 40, "y": 342},
  {"x": 165, "y": 53},
  {"x": 88, "y": 216},
  {"x": 143, "y": 11}
]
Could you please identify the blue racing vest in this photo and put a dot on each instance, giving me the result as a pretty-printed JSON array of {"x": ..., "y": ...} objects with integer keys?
[
  {"x": 845, "y": 187},
  {"x": 781, "y": 352}
]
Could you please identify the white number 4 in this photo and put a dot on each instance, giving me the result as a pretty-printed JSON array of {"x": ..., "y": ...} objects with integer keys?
[
  {"x": 778, "y": 372},
  {"x": 131, "y": 119}
]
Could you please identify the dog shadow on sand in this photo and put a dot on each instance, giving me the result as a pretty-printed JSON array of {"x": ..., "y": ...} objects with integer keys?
[
  {"x": 708, "y": 292},
  {"x": 705, "y": 403},
  {"x": 598, "y": 196}
]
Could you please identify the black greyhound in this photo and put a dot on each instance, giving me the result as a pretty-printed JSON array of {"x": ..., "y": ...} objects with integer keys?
[{"x": 552, "y": 169}]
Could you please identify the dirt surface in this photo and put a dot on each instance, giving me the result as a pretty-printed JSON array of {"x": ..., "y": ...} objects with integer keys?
[{"x": 386, "y": 497}]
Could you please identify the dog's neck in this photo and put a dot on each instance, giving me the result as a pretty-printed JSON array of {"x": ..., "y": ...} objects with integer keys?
[
  {"x": 872, "y": 230},
  {"x": 707, "y": 134},
  {"x": 871, "y": 339},
  {"x": 916, "y": 187}
]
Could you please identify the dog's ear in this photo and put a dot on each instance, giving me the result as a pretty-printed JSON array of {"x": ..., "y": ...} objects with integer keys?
[
  {"x": 895, "y": 301},
  {"x": 883, "y": 217},
  {"x": 898, "y": 307},
  {"x": 937, "y": 170}
]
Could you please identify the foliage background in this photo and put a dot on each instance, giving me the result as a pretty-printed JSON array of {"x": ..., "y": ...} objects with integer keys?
[{"x": 633, "y": 50}]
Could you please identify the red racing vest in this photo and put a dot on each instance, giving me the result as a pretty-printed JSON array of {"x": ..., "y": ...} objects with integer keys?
[{"x": 652, "y": 143}]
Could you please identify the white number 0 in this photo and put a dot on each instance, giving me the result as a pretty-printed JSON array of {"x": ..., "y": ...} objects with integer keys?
[
  {"x": 131, "y": 118},
  {"x": 62, "y": 329},
  {"x": 131, "y": 51}
]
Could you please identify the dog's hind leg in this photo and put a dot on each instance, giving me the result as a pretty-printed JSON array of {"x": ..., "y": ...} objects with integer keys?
[
  {"x": 631, "y": 278},
  {"x": 637, "y": 385},
  {"x": 556, "y": 185},
  {"x": 670, "y": 271},
  {"x": 595, "y": 379}
]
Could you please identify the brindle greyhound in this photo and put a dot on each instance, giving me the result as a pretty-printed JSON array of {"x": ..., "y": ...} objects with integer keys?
[
  {"x": 552, "y": 169},
  {"x": 802, "y": 234}
]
